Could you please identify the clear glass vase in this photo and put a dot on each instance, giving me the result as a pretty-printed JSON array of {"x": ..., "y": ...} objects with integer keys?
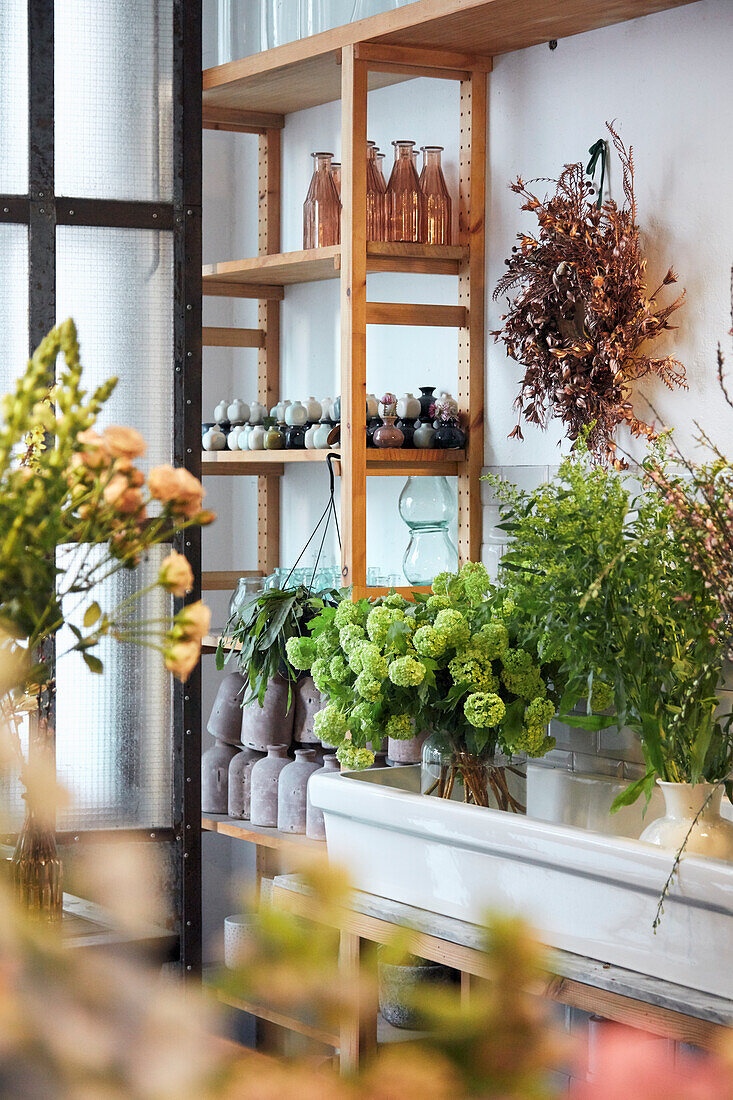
[
  {"x": 280, "y": 22},
  {"x": 490, "y": 779},
  {"x": 362, "y": 9},
  {"x": 376, "y": 198},
  {"x": 37, "y": 869},
  {"x": 322, "y": 206},
  {"x": 404, "y": 197},
  {"x": 428, "y": 507},
  {"x": 437, "y": 207},
  {"x": 336, "y": 176}
]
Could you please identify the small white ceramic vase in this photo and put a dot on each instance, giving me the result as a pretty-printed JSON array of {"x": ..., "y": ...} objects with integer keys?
[
  {"x": 220, "y": 412},
  {"x": 238, "y": 412},
  {"x": 214, "y": 439},
  {"x": 408, "y": 407},
  {"x": 233, "y": 438},
  {"x": 320, "y": 436},
  {"x": 326, "y": 403},
  {"x": 296, "y": 415},
  {"x": 314, "y": 410},
  {"x": 257, "y": 413},
  {"x": 243, "y": 438},
  {"x": 310, "y": 436},
  {"x": 373, "y": 406},
  {"x": 237, "y": 938},
  {"x": 712, "y": 834},
  {"x": 256, "y": 440}
]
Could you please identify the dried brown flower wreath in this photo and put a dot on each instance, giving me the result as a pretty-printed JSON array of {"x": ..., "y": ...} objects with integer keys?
[{"x": 582, "y": 311}]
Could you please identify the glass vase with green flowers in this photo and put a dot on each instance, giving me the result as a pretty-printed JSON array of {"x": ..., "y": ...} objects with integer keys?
[{"x": 448, "y": 662}]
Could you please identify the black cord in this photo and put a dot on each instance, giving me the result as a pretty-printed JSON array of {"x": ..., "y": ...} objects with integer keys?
[{"x": 329, "y": 510}]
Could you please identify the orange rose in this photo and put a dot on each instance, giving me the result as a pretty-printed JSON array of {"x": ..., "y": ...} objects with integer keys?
[
  {"x": 95, "y": 452},
  {"x": 121, "y": 496},
  {"x": 124, "y": 442},
  {"x": 193, "y": 621},
  {"x": 163, "y": 483},
  {"x": 182, "y": 657},
  {"x": 176, "y": 575}
]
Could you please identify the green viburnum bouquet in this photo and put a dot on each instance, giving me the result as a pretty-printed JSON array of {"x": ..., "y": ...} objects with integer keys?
[
  {"x": 449, "y": 662},
  {"x": 601, "y": 583}
]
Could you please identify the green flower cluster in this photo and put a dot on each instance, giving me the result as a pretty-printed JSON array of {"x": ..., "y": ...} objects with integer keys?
[
  {"x": 301, "y": 652},
  {"x": 484, "y": 709},
  {"x": 451, "y": 661},
  {"x": 354, "y": 758}
]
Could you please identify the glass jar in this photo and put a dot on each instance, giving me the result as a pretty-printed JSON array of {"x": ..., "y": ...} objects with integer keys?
[
  {"x": 336, "y": 175},
  {"x": 490, "y": 779},
  {"x": 322, "y": 206},
  {"x": 428, "y": 507},
  {"x": 280, "y": 22},
  {"x": 376, "y": 199},
  {"x": 437, "y": 208},
  {"x": 404, "y": 197},
  {"x": 246, "y": 590},
  {"x": 379, "y": 160},
  {"x": 364, "y": 8}
]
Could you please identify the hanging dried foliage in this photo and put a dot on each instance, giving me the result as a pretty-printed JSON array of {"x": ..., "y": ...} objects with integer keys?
[{"x": 582, "y": 312}]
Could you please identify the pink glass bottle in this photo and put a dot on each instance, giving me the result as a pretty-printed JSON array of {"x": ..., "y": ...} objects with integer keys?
[
  {"x": 322, "y": 206},
  {"x": 379, "y": 158},
  {"x": 404, "y": 198},
  {"x": 437, "y": 207},
  {"x": 336, "y": 176},
  {"x": 376, "y": 199}
]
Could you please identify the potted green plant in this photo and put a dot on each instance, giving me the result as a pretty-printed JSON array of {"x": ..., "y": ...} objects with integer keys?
[
  {"x": 447, "y": 662},
  {"x": 604, "y": 583}
]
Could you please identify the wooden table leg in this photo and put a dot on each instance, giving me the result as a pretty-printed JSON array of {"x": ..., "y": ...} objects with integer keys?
[{"x": 358, "y": 1030}]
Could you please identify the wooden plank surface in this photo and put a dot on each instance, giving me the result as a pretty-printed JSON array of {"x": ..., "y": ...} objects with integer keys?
[
  {"x": 245, "y": 122},
  {"x": 313, "y": 264},
  {"x": 222, "y": 337},
  {"x": 280, "y": 1019},
  {"x": 353, "y": 320},
  {"x": 214, "y": 287},
  {"x": 471, "y": 294},
  {"x": 259, "y": 834},
  {"x": 223, "y": 580},
  {"x": 268, "y": 358},
  {"x": 306, "y": 72},
  {"x": 419, "y": 313}
]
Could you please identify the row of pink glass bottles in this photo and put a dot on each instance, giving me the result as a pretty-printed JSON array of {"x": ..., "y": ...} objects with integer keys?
[{"x": 408, "y": 208}]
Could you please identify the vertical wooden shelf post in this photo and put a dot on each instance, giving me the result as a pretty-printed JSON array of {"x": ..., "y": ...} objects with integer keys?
[
  {"x": 353, "y": 320},
  {"x": 471, "y": 228},
  {"x": 268, "y": 357}
]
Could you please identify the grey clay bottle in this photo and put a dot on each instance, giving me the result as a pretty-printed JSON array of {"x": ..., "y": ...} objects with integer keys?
[
  {"x": 314, "y": 825},
  {"x": 215, "y": 777},
  {"x": 292, "y": 791},
  {"x": 265, "y": 780},
  {"x": 240, "y": 782},
  {"x": 272, "y": 723},
  {"x": 225, "y": 720},
  {"x": 308, "y": 701}
]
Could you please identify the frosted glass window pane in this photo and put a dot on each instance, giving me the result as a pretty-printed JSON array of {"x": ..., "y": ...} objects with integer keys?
[
  {"x": 113, "y": 731},
  {"x": 13, "y": 302},
  {"x": 113, "y": 81},
  {"x": 13, "y": 97},
  {"x": 117, "y": 284}
]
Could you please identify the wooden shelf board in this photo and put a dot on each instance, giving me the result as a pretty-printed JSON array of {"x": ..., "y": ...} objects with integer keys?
[
  {"x": 314, "y": 264},
  {"x": 258, "y": 834},
  {"x": 210, "y": 643},
  {"x": 380, "y": 463},
  {"x": 307, "y": 72}
]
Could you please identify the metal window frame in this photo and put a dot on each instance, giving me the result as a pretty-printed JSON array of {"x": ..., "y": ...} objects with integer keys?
[{"x": 41, "y": 210}]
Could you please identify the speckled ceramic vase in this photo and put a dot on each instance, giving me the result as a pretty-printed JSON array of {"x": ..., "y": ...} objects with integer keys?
[
  {"x": 314, "y": 824},
  {"x": 240, "y": 782},
  {"x": 271, "y": 723},
  {"x": 264, "y": 783},
  {"x": 215, "y": 764},
  {"x": 292, "y": 791},
  {"x": 308, "y": 701},
  {"x": 225, "y": 720},
  {"x": 406, "y": 752},
  {"x": 399, "y": 987}
]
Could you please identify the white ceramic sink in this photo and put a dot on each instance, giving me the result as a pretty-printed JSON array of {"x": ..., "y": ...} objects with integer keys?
[{"x": 593, "y": 894}]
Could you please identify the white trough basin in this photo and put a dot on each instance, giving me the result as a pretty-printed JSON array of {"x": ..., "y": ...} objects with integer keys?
[{"x": 583, "y": 891}]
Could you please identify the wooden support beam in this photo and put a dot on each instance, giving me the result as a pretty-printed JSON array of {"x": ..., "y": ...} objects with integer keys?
[
  {"x": 471, "y": 220},
  {"x": 404, "y": 313},
  {"x": 223, "y": 580},
  {"x": 353, "y": 318},
  {"x": 223, "y": 289},
  {"x": 217, "y": 337},
  {"x": 268, "y": 360},
  {"x": 413, "y": 57},
  {"x": 358, "y": 1024},
  {"x": 239, "y": 121}
]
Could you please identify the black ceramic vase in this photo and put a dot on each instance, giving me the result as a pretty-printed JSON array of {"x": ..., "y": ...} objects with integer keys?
[{"x": 449, "y": 436}]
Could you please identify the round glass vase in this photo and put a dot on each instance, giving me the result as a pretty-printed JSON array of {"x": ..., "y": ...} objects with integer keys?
[
  {"x": 491, "y": 779},
  {"x": 428, "y": 507}
]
